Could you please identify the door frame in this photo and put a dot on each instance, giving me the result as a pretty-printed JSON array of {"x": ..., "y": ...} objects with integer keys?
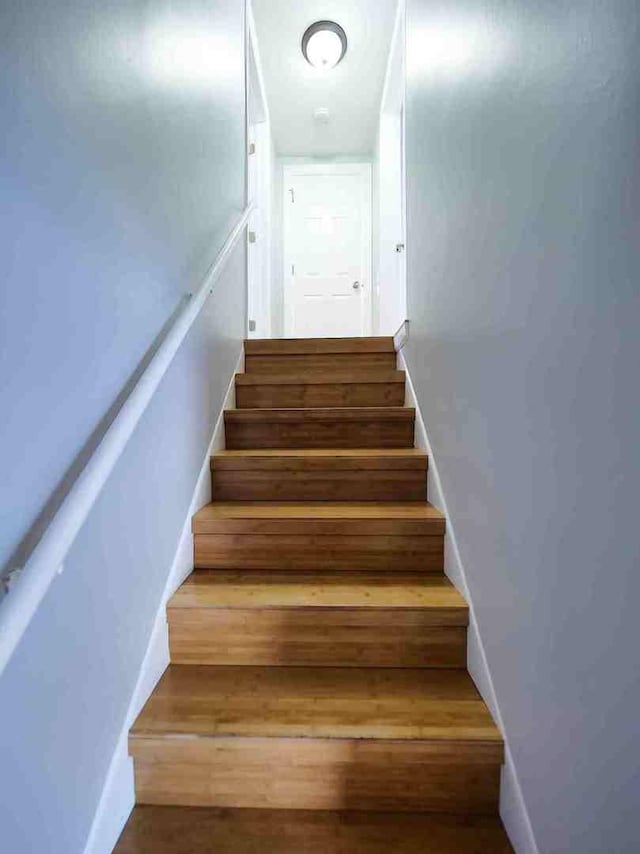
[
  {"x": 364, "y": 169},
  {"x": 259, "y": 154},
  {"x": 393, "y": 105}
]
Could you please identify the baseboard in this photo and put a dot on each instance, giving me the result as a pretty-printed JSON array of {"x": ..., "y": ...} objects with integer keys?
[
  {"x": 513, "y": 810},
  {"x": 401, "y": 337},
  {"x": 118, "y": 794}
]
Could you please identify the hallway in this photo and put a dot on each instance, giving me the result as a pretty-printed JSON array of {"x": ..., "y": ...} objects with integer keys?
[{"x": 326, "y": 169}]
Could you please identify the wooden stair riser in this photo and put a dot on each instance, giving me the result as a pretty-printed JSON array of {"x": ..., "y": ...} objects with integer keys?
[
  {"x": 154, "y": 829},
  {"x": 318, "y": 346},
  {"x": 319, "y": 478},
  {"x": 325, "y": 363},
  {"x": 318, "y": 774},
  {"x": 302, "y": 552},
  {"x": 339, "y": 637},
  {"x": 251, "y": 393},
  {"x": 387, "y": 428},
  {"x": 314, "y": 486}
]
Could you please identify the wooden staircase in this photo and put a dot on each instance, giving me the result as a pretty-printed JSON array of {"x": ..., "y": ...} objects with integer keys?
[{"x": 318, "y": 650}]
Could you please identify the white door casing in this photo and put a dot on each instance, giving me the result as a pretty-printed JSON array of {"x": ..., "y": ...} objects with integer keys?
[
  {"x": 327, "y": 250},
  {"x": 391, "y": 190},
  {"x": 392, "y": 309},
  {"x": 259, "y": 231},
  {"x": 259, "y": 190}
]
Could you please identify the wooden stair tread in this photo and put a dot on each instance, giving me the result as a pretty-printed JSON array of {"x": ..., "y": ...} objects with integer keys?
[
  {"x": 305, "y": 590},
  {"x": 312, "y": 510},
  {"x": 318, "y": 703},
  {"x": 198, "y": 830},
  {"x": 331, "y": 413},
  {"x": 313, "y": 346},
  {"x": 397, "y": 454},
  {"x": 323, "y": 377}
]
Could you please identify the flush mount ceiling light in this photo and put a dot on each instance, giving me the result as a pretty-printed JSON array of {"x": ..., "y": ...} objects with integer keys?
[{"x": 324, "y": 44}]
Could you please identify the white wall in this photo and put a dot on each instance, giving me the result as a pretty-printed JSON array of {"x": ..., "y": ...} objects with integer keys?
[
  {"x": 122, "y": 168},
  {"x": 523, "y": 149}
]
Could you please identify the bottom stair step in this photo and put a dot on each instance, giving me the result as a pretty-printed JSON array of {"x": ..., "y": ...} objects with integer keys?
[
  {"x": 184, "y": 830},
  {"x": 317, "y": 738}
]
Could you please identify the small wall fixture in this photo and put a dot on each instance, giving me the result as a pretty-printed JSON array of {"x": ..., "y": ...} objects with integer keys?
[{"x": 324, "y": 44}]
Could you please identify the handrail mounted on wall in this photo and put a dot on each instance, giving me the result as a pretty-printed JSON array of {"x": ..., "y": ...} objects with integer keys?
[{"x": 28, "y": 589}]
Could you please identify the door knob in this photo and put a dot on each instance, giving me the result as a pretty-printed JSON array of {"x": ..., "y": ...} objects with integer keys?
[{"x": 356, "y": 286}]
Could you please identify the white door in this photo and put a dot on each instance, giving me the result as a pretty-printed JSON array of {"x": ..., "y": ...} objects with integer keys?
[{"x": 327, "y": 233}]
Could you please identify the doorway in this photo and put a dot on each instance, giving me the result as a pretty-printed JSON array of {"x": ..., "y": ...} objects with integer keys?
[
  {"x": 336, "y": 264},
  {"x": 327, "y": 250}
]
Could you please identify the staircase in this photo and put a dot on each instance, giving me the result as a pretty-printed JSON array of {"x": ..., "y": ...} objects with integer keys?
[{"x": 318, "y": 650}]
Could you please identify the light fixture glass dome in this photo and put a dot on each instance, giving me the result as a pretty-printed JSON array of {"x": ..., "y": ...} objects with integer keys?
[{"x": 324, "y": 44}]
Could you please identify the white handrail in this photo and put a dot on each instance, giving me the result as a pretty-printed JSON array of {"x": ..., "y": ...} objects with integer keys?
[{"x": 27, "y": 592}]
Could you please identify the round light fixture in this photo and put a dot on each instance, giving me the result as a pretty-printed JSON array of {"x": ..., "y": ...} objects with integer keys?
[{"x": 324, "y": 44}]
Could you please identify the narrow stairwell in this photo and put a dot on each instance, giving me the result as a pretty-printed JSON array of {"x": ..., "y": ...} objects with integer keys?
[{"x": 317, "y": 697}]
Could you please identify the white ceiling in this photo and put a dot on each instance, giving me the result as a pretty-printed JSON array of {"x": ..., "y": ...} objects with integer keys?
[{"x": 351, "y": 91}]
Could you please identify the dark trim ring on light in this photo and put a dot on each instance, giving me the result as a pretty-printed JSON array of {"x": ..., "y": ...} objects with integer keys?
[{"x": 322, "y": 26}]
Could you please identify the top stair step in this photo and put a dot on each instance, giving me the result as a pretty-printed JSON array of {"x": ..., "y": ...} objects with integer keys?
[
  {"x": 317, "y": 738},
  {"x": 154, "y": 830},
  {"x": 315, "y": 346},
  {"x": 289, "y": 356}
]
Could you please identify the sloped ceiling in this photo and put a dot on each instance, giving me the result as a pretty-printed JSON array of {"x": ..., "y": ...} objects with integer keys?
[{"x": 351, "y": 92}]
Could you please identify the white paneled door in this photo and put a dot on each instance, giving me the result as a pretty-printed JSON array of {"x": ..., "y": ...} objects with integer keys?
[{"x": 327, "y": 251}]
